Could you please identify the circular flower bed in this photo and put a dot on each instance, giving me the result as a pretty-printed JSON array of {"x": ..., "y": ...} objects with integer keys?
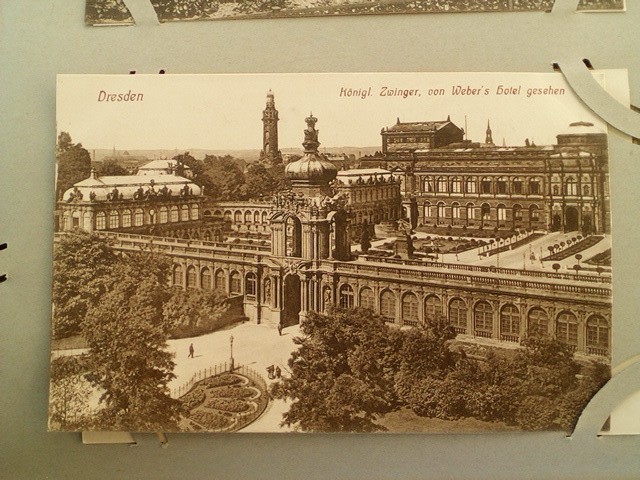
[{"x": 224, "y": 402}]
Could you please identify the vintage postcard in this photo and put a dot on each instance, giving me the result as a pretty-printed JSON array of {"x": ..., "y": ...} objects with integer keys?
[
  {"x": 111, "y": 11},
  {"x": 392, "y": 252},
  {"x": 107, "y": 12}
]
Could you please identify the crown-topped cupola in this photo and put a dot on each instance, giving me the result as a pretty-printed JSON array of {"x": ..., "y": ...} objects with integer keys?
[{"x": 312, "y": 173}]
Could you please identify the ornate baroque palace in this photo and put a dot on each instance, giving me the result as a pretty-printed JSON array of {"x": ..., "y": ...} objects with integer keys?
[{"x": 442, "y": 214}]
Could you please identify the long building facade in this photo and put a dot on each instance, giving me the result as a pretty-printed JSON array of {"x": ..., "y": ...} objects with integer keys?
[
  {"x": 467, "y": 185},
  {"x": 300, "y": 258}
]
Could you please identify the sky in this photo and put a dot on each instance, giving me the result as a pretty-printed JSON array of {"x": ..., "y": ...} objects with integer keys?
[{"x": 224, "y": 112}]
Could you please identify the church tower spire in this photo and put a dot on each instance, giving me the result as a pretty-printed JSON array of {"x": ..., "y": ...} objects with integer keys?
[
  {"x": 270, "y": 153},
  {"x": 489, "y": 138}
]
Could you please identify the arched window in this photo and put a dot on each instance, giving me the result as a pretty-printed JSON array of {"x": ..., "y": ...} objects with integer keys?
[
  {"x": 184, "y": 213},
  {"x": 455, "y": 210},
  {"x": 220, "y": 282},
  {"x": 265, "y": 217},
  {"x": 570, "y": 186},
  {"x": 534, "y": 186},
  {"x": 101, "y": 221},
  {"x": 388, "y": 306},
  {"x": 163, "y": 215},
  {"x": 113, "y": 219},
  {"x": 410, "y": 309},
  {"x": 483, "y": 319},
  {"x": 485, "y": 211},
  {"x": 427, "y": 186},
  {"x": 237, "y": 217},
  {"x": 126, "y": 218},
  {"x": 174, "y": 213},
  {"x": 191, "y": 277},
  {"x": 534, "y": 213},
  {"x": 235, "y": 283},
  {"x": 441, "y": 185},
  {"x": 471, "y": 211},
  {"x": 458, "y": 315},
  {"x": 517, "y": 213},
  {"x": 366, "y": 298},
  {"x": 456, "y": 185},
  {"x": 567, "y": 328},
  {"x": 205, "y": 278},
  {"x": 501, "y": 185},
  {"x": 427, "y": 209},
  {"x": 485, "y": 185},
  {"x": 470, "y": 185},
  {"x": 247, "y": 216},
  {"x": 293, "y": 237},
  {"x": 537, "y": 322},
  {"x": 256, "y": 217},
  {"x": 502, "y": 213},
  {"x": 345, "y": 296},
  {"x": 195, "y": 211},
  {"x": 138, "y": 217},
  {"x": 510, "y": 323},
  {"x": 177, "y": 274},
  {"x": 250, "y": 287},
  {"x": 516, "y": 186},
  {"x": 598, "y": 335},
  {"x": 442, "y": 212},
  {"x": 433, "y": 308},
  {"x": 227, "y": 215}
]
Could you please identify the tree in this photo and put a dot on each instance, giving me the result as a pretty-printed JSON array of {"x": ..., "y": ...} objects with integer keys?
[
  {"x": 195, "y": 312},
  {"x": 64, "y": 143},
  {"x": 258, "y": 182},
  {"x": 226, "y": 179},
  {"x": 277, "y": 172},
  {"x": 83, "y": 264},
  {"x": 111, "y": 167},
  {"x": 185, "y": 162},
  {"x": 73, "y": 161},
  {"x": 342, "y": 373},
  {"x": 127, "y": 334}
]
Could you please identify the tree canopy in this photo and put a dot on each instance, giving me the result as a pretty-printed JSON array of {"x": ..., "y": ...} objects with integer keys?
[
  {"x": 83, "y": 266},
  {"x": 73, "y": 161},
  {"x": 124, "y": 308},
  {"x": 127, "y": 334},
  {"x": 341, "y": 372},
  {"x": 111, "y": 167},
  {"x": 225, "y": 178},
  {"x": 350, "y": 368}
]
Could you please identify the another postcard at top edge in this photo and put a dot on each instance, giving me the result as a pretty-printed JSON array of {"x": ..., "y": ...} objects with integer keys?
[
  {"x": 113, "y": 12},
  {"x": 394, "y": 252}
]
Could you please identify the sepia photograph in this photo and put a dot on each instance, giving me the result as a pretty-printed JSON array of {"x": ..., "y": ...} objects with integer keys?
[
  {"x": 115, "y": 12},
  {"x": 361, "y": 252}
]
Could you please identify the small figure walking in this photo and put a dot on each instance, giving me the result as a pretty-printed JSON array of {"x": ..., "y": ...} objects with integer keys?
[
  {"x": 191, "y": 351},
  {"x": 280, "y": 328},
  {"x": 278, "y": 372}
]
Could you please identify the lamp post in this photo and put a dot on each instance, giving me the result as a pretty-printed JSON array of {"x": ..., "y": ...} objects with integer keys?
[{"x": 231, "y": 361}]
